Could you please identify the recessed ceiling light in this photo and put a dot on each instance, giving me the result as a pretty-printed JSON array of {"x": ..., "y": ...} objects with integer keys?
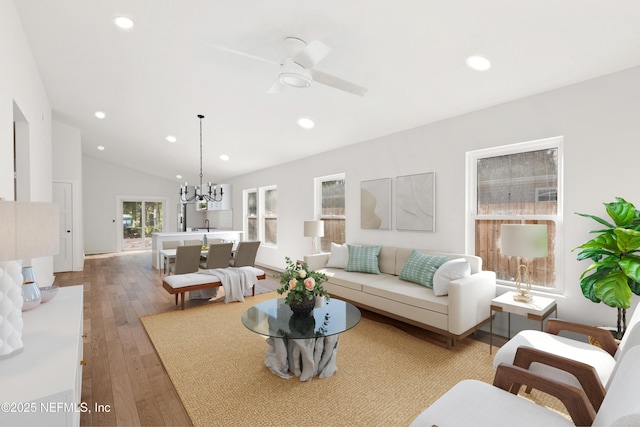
[
  {"x": 100, "y": 114},
  {"x": 123, "y": 22},
  {"x": 100, "y": 147},
  {"x": 478, "y": 63},
  {"x": 306, "y": 123},
  {"x": 224, "y": 157},
  {"x": 171, "y": 138},
  {"x": 179, "y": 176}
]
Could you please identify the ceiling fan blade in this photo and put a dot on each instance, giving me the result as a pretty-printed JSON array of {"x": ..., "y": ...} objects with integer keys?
[
  {"x": 245, "y": 54},
  {"x": 312, "y": 53},
  {"x": 276, "y": 87},
  {"x": 338, "y": 83}
]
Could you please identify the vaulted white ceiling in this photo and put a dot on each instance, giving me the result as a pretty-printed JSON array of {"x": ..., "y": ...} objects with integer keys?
[{"x": 153, "y": 80}]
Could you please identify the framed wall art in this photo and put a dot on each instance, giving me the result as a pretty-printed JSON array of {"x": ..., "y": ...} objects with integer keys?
[
  {"x": 416, "y": 202},
  {"x": 375, "y": 204}
]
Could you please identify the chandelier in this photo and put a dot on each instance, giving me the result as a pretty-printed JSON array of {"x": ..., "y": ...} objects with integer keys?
[{"x": 211, "y": 195}]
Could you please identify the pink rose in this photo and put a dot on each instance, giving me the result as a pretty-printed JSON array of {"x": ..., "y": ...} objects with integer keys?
[
  {"x": 309, "y": 283},
  {"x": 302, "y": 274},
  {"x": 292, "y": 284}
]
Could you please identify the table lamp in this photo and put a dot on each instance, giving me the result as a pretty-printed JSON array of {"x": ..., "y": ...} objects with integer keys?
[
  {"x": 27, "y": 230},
  {"x": 524, "y": 241},
  {"x": 314, "y": 229}
]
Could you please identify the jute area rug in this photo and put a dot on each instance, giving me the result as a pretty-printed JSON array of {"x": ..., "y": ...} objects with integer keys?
[{"x": 385, "y": 376}]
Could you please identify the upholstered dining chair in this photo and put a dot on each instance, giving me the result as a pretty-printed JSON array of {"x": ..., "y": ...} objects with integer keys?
[
  {"x": 245, "y": 254},
  {"x": 218, "y": 256},
  {"x": 193, "y": 242},
  {"x": 187, "y": 260},
  {"x": 597, "y": 362},
  {"x": 168, "y": 261}
]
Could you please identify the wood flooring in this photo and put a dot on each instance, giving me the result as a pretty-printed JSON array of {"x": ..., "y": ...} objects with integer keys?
[{"x": 124, "y": 376}]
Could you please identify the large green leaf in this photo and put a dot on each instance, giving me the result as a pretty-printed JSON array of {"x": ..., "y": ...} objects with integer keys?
[
  {"x": 606, "y": 265},
  {"x": 613, "y": 290},
  {"x": 586, "y": 284},
  {"x": 603, "y": 241},
  {"x": 630, "y": 265},
  {"x": 592, "y": 253},
  {"x": 627, "y": 240},
  {"x": 598, "y": 219},
  {"x": 621, "y": 211}
]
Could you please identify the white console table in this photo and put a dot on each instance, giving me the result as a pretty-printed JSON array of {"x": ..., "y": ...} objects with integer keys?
[{"x": 42, "y": 385}]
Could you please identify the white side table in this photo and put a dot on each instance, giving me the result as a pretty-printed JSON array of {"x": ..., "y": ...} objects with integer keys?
[{"x": 539, "y": 308}]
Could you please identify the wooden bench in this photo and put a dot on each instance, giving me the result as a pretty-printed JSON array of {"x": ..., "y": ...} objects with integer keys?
[{"x": 179, "y": 284}]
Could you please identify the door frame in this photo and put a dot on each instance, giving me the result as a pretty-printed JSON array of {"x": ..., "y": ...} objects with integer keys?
[
  {"x": 77, "y": 241},
  {"x": 121, "y": 199}
]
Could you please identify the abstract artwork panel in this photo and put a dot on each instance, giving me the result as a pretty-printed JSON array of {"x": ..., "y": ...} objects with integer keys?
[
  {"x": 415, "y": 202},
  {"x": 375, "y": 204}
]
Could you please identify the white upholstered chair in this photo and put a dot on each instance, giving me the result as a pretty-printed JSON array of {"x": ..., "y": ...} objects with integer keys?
[
  {"x": 474, "y": 403},
  {"x": 601, "y": 361}
]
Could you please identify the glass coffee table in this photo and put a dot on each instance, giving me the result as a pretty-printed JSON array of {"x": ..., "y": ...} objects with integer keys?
[{"x": 303, "y": 345}]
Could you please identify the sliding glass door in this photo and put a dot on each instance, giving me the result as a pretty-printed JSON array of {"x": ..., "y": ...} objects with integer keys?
[{"x": 139, "y": 219}]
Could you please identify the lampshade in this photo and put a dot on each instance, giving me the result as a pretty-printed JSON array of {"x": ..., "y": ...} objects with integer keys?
[
  {"x": 28, "y": 230},
  {"x": 524, "y": 240},
  {"x": 313, "y": 228}
]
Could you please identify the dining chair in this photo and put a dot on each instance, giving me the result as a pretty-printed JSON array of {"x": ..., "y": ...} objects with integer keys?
[
  {"x": 187, "y": 260},
  {"x": 245, "y": 254},
  {"x": 168, "y": 260},
  {"x": 218, "y": 256},
  {"x": 193, "y": 242}
]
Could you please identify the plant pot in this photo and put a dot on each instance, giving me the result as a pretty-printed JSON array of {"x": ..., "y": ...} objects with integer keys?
[
  {"x": 320, "y": 301},
  {"x": 303, "y": 307}
]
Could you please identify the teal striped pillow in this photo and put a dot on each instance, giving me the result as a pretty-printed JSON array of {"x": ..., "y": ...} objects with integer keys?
[
  {"x": 420, "y": 268},
  {"x": 363, "y": 259}
]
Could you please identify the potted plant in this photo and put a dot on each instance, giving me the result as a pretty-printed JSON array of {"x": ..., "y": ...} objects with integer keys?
[
  {"x": 302, "y": 285},
  {"x": 615, "y": 252}
]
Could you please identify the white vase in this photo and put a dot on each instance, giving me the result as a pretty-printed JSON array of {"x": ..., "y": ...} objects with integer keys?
[
  {"x": 319, "y": 301},
  {"x": 31, "y": 295}
]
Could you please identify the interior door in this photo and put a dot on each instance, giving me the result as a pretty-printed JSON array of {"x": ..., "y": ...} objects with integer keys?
[{"x": 63, "y": 196}]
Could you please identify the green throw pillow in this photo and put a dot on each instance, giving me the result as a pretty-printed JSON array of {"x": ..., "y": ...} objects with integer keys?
[
  {"x": 420, "y": 268},
  {"x": 363, "y": 259}
]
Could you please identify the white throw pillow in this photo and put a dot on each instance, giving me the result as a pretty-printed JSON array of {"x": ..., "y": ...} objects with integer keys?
[
  {"x": 451, "y": 270},
  {"x": 339, "y": 257}
]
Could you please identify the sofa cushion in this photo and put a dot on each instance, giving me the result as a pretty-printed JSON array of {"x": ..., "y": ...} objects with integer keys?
[
  {"x": 394, "y": 289},
  {"x": 420, "y": 268},
  {"x": 339, "y": 257},
  {"x": 351, "y": 279},
  {"x": 387, "y": 260},
  {"x": 363, "y": 259},
  {"x": 451, "y": 270}
]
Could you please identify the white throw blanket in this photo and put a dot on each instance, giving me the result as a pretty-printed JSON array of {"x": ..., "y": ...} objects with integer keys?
[{"x": 235, "y": 281}]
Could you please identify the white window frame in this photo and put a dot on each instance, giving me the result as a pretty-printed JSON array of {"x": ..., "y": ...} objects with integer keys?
[
  {"x": 263, "y": 215},
  {"x": 245, "y": 212},
  {"x": 317, "y": 203},
  {"x": 472, "y": 215}
]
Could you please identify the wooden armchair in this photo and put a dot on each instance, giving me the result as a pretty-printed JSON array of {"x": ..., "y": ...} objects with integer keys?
[
  {"x": 474, "y": 403},
  {"x": 602, "y": 360}
]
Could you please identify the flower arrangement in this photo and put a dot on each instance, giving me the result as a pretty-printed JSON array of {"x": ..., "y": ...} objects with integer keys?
[{"x": 301, "y": 283}]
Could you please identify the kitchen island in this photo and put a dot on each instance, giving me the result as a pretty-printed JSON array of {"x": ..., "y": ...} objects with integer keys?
[{"x": 157, "y": 261}]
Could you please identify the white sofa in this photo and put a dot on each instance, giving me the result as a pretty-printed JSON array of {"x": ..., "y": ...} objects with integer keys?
[{"x": 454, "y": 316}]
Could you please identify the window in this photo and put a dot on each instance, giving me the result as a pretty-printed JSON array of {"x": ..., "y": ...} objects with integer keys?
[
  {"x": 251, "y": 214},
  {"x": 330, "y": 208},
  {"x": 269, "y": 204},
  {"x": 519, "y": 183}
]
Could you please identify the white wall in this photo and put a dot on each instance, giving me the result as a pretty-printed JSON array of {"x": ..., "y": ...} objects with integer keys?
[
  {"x": 21, "y": 85},
  {"x": 67, "y": 168},
  {"x": 103, "y": 184},
  {"x": 599, "y": 122}
]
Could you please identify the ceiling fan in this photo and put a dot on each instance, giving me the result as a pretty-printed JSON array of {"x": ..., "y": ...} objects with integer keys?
[{"x": 297, "y": 68}]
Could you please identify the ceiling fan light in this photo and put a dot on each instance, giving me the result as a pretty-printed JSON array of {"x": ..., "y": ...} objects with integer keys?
[{"x": 294, "y": 75}]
